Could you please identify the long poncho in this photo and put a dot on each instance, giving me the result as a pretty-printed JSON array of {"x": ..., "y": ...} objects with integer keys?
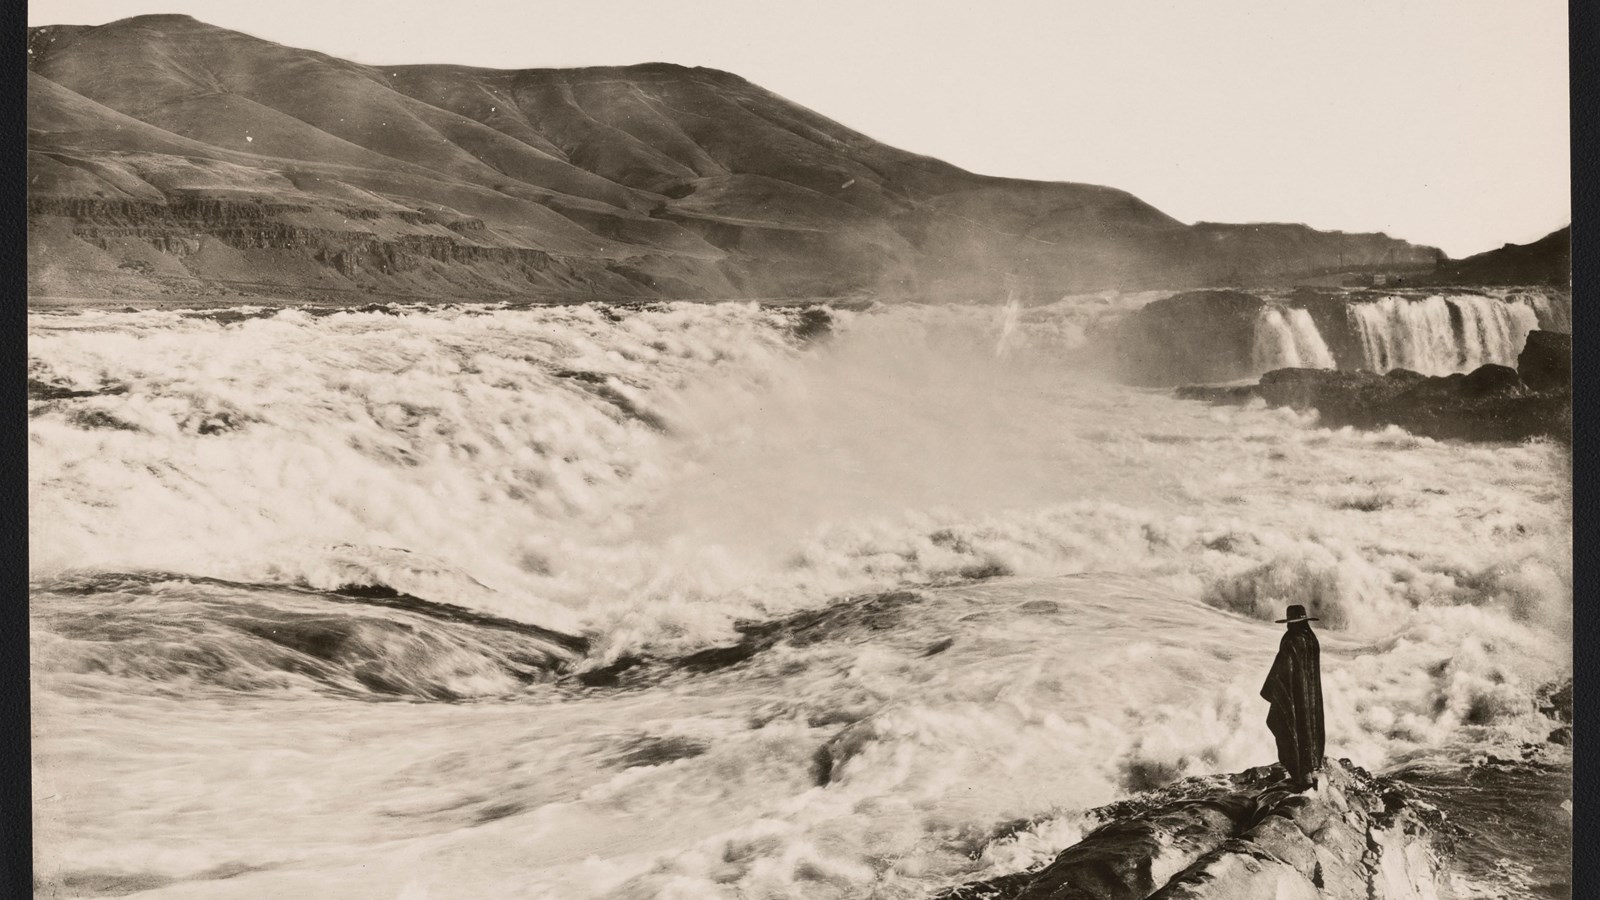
[{"x": 1294, "y": 688}]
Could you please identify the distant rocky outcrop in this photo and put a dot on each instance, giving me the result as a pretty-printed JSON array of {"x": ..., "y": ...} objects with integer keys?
[
  {"x": 1545, "y": 261},
  {"x": 1490, "y": 403},
  {"x": 168, "y": 157},
  {"x": 1195, "y": 336},
  {"x": 1247, "y": 836}
]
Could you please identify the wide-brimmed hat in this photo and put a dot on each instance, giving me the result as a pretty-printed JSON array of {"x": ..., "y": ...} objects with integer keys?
[{"x": 1297, "y": 613}]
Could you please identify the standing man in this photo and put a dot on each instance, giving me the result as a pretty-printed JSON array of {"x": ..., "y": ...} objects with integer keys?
[{"x": 1294, "y": 688}]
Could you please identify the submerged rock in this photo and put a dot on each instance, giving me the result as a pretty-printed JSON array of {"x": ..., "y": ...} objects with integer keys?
[
  {"x": 851, "y": 619},
  {"x": 1247, "y": 835}
]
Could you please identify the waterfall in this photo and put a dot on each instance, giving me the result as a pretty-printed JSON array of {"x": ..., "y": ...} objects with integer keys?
[
  {"x": 1553, "y": 313},
  {"x": 1288, "y": 338},
  {"x": 1438, "y": 335},
  {"x": 1434, "y": 335}
]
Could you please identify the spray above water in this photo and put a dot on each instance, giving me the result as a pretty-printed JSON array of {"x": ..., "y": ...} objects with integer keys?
[
  {"x": 1083, "y": 573},
  {"x": 1010, "y": 315}
]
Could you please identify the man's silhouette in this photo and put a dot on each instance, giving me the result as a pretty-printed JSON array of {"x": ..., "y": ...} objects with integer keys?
[{"x": 1294, "y": 688}]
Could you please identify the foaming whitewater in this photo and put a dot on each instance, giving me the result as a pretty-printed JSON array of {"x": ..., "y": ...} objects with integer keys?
[{"x": 313, "y": 592}]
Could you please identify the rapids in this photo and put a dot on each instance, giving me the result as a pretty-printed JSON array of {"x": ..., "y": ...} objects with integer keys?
[{"x": 313, "y": 593}]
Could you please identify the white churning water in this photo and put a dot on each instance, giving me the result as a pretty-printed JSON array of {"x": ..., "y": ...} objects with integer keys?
[{"x": 1095, "y": 569}]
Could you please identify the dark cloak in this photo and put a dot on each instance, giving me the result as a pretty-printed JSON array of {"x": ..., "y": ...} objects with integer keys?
[{"x": 1294, "y": 688}]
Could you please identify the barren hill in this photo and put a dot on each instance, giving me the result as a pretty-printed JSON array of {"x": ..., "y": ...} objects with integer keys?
[
  {"x": 1545, "y": 261},
  {"x": 171, "y": 157}
]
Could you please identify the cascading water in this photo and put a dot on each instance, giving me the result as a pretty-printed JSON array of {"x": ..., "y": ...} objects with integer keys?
[
  {"x": 1434, "y": 335},
  {"x": 1439, "y": 335},
  {"x": 1554, "y": 313},
  {"x": 1288, "y": 338},
  {"x": 1223, "y": 336}
]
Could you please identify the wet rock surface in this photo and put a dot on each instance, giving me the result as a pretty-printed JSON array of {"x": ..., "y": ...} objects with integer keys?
[{"x": 1247, "y": 835}]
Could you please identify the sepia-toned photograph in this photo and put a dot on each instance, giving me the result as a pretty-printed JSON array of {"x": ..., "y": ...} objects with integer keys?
[{"x": 618, "y": 450}]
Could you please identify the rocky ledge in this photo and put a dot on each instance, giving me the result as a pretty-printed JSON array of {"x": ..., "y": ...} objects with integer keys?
[
  {"x": 1490, "y": 403},
  {"x": 1244, "y": 836}
]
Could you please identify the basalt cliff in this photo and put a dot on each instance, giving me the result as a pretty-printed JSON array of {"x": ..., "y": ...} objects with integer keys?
[{"x": 171, "y": 158}]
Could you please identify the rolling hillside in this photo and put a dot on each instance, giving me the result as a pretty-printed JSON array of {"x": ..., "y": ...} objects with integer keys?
[
  {"x": 171, "y": 158},
  {"x": 1545, "y": 261}
]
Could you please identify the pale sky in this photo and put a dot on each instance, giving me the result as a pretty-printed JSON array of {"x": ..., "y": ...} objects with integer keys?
[{"x": 1439, "y": 121}]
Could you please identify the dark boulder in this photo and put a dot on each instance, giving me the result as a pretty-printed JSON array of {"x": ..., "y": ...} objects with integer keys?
[
  {"x": 1488, "y": 404},
  {"x": 1488, "y": 380},
  {"x": 1545, "y": 363},
  {"x": 814, "y": 323},
  {"x": 1345, "y": 398},
  {"x": 1406, "y": 375},
  {"x": 1555, "y": 701},
  {"x": 1190, "y": 337}
]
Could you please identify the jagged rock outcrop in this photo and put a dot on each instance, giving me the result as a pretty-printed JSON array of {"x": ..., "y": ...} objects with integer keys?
[
  {"x": 1545, "y": 362},
  {"x": 168, "y": 156},
  {"x": 1491, "y": 403},
  {"x": 1247, "y": 836}
]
